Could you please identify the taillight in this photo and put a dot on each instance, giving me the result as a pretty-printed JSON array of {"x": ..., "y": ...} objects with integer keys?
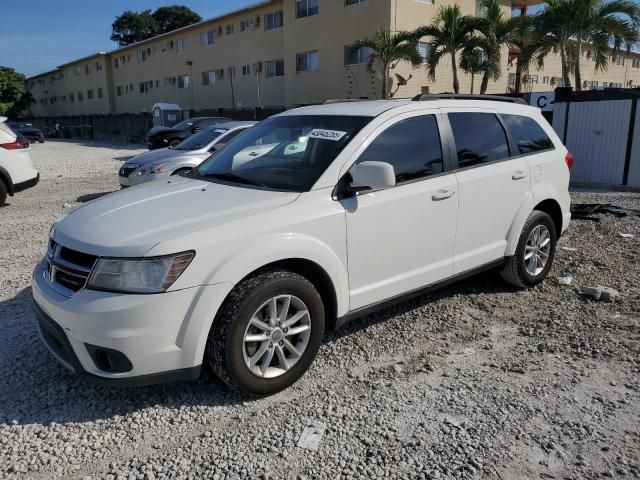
[
  {"x": 18, "y": 144},
  {"x": 568, "y": 159}
]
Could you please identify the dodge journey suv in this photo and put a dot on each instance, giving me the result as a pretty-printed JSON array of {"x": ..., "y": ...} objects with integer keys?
[{"x": 311, "y": 218}]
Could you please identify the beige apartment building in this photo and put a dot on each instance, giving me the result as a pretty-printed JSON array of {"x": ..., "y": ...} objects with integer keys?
[{"x": 279, "y": 53}]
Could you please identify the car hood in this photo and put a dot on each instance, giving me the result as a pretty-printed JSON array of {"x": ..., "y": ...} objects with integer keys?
[
  {"x": 153, "y": 156},
  {"x": 130, "y": 222},
  {"x": 158, "y": 130}
]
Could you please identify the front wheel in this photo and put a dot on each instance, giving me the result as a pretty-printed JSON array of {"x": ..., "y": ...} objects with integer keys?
[
  {"x": 535, "y": 252},
  {"x": 267, "y": 333},
  {"x": 3, "y": 193}
]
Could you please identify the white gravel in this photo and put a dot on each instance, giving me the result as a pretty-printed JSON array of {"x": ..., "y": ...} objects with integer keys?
[{"x": 475, "y": 381}]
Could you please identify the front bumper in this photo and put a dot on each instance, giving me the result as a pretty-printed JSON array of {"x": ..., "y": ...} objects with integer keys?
[
  {"x": 134, "y": 179},
  {"x": 162, "y": 335}
]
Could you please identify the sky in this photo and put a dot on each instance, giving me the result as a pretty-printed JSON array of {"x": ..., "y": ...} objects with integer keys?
[{"x": 38, "y": 35}]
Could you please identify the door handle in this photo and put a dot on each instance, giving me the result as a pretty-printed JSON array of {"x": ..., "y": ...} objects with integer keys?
[
  {"x": 517, "y": 175},
  {"x": 442, "y": 195}
]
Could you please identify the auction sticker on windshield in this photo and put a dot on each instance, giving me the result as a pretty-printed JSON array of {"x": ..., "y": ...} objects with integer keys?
[{"x": 333, "y": 135}]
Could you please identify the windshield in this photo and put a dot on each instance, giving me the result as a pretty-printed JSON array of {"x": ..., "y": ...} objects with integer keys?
[
  {"x": 283, "y": 153},
  {"x": 200, "y": 139},
  {"x": 183, "y": 124}
]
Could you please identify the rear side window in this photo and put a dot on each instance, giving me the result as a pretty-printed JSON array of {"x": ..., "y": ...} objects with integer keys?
[
  {"x": 479, "y": 138},
  {"x": 527, "y": 133},
  {"x": 412, "y": 146}
]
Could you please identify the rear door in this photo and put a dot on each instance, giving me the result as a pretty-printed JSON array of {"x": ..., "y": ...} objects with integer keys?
[
  {"x": 402, "y": 238},
  {"x": 493, "y": 181}
]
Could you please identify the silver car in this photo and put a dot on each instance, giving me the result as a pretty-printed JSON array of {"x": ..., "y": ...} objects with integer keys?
[{"x": 185, "y": 156}]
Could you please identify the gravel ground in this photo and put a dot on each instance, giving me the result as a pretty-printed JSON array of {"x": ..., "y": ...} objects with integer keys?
[{"x": 474, "y": 381}]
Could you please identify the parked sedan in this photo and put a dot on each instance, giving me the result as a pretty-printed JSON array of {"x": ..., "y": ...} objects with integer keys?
[
  {"x": 181, "y": 158},
  {"x": 27, "y": 130},
  {"x": 162, "y": 137}
]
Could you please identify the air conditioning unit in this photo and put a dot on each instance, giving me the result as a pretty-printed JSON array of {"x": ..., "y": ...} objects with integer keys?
[{"x": 257, "y": 67}]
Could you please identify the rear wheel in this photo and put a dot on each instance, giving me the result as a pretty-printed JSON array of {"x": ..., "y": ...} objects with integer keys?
[
  {"x": 3, "y": 193},
  {"x": 267, "y": 333},
  {"x": 535, "y": 252}
]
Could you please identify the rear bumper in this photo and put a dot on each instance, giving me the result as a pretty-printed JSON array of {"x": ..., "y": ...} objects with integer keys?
[{"x": 19, "y": 187}]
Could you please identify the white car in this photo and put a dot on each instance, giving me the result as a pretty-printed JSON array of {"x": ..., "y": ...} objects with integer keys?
[
  {"x": 242, "y": 266},
  {"x": 17, "y": 172},
  {"x": 162, "y": 163}
]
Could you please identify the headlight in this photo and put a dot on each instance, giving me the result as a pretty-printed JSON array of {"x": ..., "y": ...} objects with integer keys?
[
  {"x": 146, "y": 275},
  {"x": 151, "y": 169}
]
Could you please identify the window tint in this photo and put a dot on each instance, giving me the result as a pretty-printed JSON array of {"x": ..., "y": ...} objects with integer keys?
[
  {"x": 412, "y": 146},
  {"x": 479, "y": 138},
  {"x": 527, "y": 133}
]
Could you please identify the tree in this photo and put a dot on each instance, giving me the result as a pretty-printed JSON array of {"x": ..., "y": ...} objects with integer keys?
[
  {"x": 471, "y": 62},
  {"x": 11, "y": 88},
  {"x": 525, "y": 42},
  {"x": 132, "y": 27},
  {"x": 174, "y": 17},
  {"x": 603, "y": 24},
  {"x": 496, "y": 31},
  {"x": 390, "y": 48},
  {"x": 450, "y": 33},
  {"x": 554, "y": 31}
]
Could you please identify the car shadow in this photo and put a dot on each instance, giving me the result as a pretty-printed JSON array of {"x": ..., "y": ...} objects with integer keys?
[
  {"x": 35, "y": 389},
  {"x": 92, "y": 196}
]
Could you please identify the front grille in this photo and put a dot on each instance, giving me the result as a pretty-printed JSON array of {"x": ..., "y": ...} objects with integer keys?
[
  {"x": 127, "y": 170},
  {"x": 67, "y": 270}
]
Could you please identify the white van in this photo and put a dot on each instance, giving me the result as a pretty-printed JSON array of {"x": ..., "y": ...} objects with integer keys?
[{"x": 242, "y": 265}]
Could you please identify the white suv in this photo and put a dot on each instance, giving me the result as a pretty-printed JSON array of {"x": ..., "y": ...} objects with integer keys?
[
  {"x": 17, "y": 172},
  {"x": 339, "y": 209}
]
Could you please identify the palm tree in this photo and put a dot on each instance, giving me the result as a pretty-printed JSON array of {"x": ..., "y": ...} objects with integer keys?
[
  {"x": 524, "y": 41},
  {"x": 601, "y": 24},
  {"x": 472, "y": 63},
  {"x": 450, "y": 33},
  {"x": 390, "y": 48},
  {"x": 554, "y": 30},
  {"x": 496, "y": 31}
]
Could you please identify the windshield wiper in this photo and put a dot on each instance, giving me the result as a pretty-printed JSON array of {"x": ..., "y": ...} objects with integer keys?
[{"x": 231, "y": 177}]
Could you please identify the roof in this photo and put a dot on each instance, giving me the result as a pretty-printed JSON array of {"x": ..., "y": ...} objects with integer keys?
[
  {"x": 93, "y": 55},
  {"x": 365, "y": 108},
  {"x": 232, "y": 125}
]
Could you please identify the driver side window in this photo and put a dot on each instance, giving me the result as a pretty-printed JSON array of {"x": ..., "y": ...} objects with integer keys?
[{"x": 411, "y": 146}]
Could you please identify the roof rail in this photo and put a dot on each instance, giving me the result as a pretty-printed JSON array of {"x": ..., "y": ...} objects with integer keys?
[
  {"x": 465, "y": 96},
  {"x": 344, "y": 100}
]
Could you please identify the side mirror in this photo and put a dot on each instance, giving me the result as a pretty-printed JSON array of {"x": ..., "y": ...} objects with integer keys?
[
  {"x": 372, "y": 175},
  {"x": 217, "y": 147}
]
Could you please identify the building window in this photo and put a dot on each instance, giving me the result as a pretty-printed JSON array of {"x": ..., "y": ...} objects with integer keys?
[
  {"x": 232, "y": 72},
  {"x": 230, "y": 29},
  {"x": 274, "y": 68},
  {"x": 423, "y": 51},
  {"x": 545, "y": 80},
  {"x": 619, "y": 60},
  {"x": 100, "y": 92},
  {"x": 98, "y": 66},
  {"x": 76, "y": 71},
  {"x": 273, "y": 20},
  {"x": 353, "y": 2},
  {"x": 306, "y": 8},
  {"x": 86, "y": 68},
  {"x": 119, "y": 91},
  {"x": 181, "y": 46},
  {"x": 206, "y": 38},
  {"x": 142, "y": 55},
  {"x": 246, "y": 69},
  {"x": 208, "y": 78},
  {"x": 635, "y": 63},
  {"x": 307, "y": 61},
  {"x": 357, "y": 57},
  {"x": 244, "y": 25},
  {"x": 89, "y": 94},
  {"x": 80, "y": 96},
  {"x": 184, "y": 81},
  {"x": 145, "y": 86}
]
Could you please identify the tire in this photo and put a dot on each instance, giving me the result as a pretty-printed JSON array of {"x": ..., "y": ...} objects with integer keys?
[
  {"x": 3, "y": 193},
  {"x": 518, "y": 270},
  {"x": 226, "y": 351},
  {"x": 42, "y": 141},
  {"x": 174, "y": 142}
]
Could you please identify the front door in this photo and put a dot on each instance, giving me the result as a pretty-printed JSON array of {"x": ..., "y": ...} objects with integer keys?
[{"x": 401, "y": 239}]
